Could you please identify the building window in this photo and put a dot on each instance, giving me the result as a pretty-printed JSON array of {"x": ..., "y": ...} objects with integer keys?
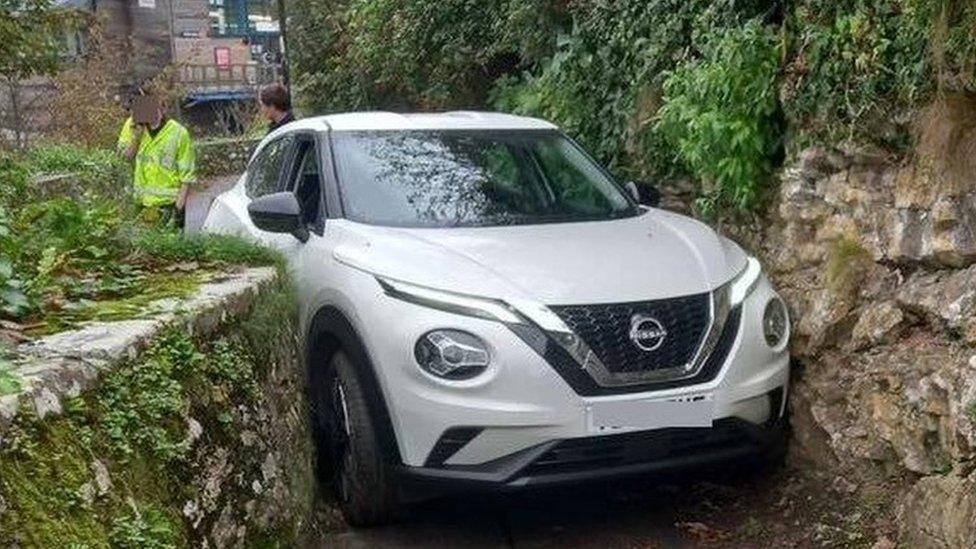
[{"x": 242, "y": 17}]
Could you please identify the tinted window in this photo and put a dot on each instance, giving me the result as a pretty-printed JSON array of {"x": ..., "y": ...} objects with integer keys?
[
  {"x": 467, "y": 178},
  {"x": 264, "y": 173},
  {"x": 307, "y": 183}
]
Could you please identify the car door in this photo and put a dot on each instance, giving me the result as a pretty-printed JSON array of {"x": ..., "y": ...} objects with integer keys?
[
  {"x": 268, "y": 173},
  {"x": 305, "y": 173}
]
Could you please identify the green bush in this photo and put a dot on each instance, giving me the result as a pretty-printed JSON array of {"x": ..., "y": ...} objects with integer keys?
[
  {"x": 92, "y": 171},
  {"x": 859, "y": 71},
  {"x": 603, "y": 84},
  {"x": 849, "y": 71},
  {"x": 721, "y": 115},
  {"x": 13, "y": 182},
  {"x": 86, "y": 252},
  {"x": 366, "y": 54},
  {"x": 596, "y": 69}
]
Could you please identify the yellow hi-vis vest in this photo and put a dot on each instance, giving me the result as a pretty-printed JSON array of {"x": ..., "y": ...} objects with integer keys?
[{"x": 162, "y": 164}]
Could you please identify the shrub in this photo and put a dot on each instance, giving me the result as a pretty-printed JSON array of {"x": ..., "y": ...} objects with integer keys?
[
  {"x": 360, "y": 54},
  {"x": 66, "y": 257},
  {"x": 721, "y": 115},
  {"x": 603, "y": 82},
  {"x": 847, "y": 71},
  {"x": 858, "y": 71},
  {"x": 93, "y": 171}
]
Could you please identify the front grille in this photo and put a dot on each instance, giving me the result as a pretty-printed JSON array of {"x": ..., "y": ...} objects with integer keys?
[
  {"x": 600, "y": 452},
  {"x": 606, "y": 329}
]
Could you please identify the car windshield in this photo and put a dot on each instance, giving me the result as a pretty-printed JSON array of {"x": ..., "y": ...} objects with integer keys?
[{"x": 457, "y": 178}]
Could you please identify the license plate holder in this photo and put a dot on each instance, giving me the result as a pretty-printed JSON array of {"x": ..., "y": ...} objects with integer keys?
[{"x": 645, "y": 414}]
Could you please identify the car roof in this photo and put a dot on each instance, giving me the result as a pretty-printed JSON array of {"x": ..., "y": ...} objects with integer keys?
[{"x": 454, "y": 120}]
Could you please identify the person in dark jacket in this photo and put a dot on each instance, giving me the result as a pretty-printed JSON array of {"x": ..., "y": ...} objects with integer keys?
[{"x": 275, "y": 104}]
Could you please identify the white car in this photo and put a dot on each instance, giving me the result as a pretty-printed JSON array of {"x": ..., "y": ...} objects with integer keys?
[{"x": 484, "y": 307}]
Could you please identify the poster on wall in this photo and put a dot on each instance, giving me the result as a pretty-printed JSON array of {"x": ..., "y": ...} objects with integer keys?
[
  {"x": 222, "y": 57},
  {"x": 147, "y": 4}
]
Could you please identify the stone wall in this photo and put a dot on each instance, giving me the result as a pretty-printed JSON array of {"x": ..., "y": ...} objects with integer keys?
[
  {"x": 877, "y": 258},
  {"x": 186, "y": 427}
]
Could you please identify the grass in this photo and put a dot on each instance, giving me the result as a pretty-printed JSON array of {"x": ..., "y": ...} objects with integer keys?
[
  {"x": 10, "y": 382},
  {"x": 170, "y": 247},
  {"x": 86, "y": 252}
]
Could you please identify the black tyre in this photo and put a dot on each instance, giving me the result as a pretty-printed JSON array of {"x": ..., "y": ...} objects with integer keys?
[{"x": 361, "y": 474}]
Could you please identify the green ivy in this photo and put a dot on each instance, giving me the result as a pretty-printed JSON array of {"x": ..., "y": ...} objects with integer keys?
[
  {"x": 623, "y": 76},
  {"x": 142, "y": 405},
  {"x": 147, "y": 528},
  {"x": 859, "y": 70}
]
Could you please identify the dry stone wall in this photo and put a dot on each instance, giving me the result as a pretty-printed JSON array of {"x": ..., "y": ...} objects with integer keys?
[
  {"x": 188, "y": 427},
  {"x": 878, "y": 261}
]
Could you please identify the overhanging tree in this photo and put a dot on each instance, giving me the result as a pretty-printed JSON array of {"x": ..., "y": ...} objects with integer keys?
[{"x": 32, "y": 43}]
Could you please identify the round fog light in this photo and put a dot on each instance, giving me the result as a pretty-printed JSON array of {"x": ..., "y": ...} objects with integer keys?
[
  {"x": 776, "y": 322},
  {"x": 451, "y": 354}
]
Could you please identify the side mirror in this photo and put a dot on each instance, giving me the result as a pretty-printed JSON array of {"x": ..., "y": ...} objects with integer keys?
[
  {"x": 278, "y": 213},
  {"x": 644, "y": 193}
]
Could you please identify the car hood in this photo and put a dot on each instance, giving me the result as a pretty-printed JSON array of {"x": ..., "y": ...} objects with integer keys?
[{"x": 653, "y": 255}]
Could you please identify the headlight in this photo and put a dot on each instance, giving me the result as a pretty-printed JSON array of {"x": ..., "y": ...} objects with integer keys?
[
  {"x": 491, "y": 309},
  {"x": 451, "y": 354},
  {"x": 743, "y": 284},
  {"x": 776, "y": 322}
]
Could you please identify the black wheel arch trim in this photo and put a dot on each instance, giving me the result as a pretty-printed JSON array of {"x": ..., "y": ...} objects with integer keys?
[{"x": 330, "y": 323}]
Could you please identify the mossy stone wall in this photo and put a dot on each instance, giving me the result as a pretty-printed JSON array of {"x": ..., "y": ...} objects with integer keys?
[{"x": 201, "y": 439}]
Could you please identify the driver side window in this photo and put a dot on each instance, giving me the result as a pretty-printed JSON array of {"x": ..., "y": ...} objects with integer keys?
[
  {"x": 306, "y": 180},
  {"x": 264, "y": 173}
]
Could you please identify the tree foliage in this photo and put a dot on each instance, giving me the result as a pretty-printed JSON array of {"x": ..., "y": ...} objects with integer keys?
[
  {"x": 387, "y": 53},
  {"x": 31, "y": 37},
  {"x": 721, "y": 115},
  {"x": 659, "y": 89}
]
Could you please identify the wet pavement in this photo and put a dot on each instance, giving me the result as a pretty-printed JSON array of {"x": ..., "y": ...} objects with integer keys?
[
  {"x": 599, "y": 517},
  {"x": 198, "y": 203}
]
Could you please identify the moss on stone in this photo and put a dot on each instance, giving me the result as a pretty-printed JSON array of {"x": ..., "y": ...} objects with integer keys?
[
  {"x": 10, "y": 381},
  {"x": 156, "y": 287},
  {"x": 846, "y": 262},
  {"x": 154, "y": 423}
]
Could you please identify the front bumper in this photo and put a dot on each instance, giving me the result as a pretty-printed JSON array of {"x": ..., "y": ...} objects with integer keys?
[
  {"x": 521, "y": 403},
  {"x": 605, "y": 457}
]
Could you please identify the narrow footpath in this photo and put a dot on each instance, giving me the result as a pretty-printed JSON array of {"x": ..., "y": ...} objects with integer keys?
[{"x": 198, "y": 204}]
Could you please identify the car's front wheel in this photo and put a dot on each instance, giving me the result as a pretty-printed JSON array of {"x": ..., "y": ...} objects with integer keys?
[{"x": 361, "y": 474}]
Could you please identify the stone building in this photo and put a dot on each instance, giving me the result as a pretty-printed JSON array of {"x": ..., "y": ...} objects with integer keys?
[
  {"x": 221, "y": 51},
  {"x": 213, "y": 42}
]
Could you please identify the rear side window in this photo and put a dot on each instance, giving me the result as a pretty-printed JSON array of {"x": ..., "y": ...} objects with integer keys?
[{"x": 264, "y": 173}]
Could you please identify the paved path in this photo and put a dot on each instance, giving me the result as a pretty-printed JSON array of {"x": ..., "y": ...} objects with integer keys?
[
  {"x": 604, "y": 518},
  {"x": 199, "y": 202}
]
